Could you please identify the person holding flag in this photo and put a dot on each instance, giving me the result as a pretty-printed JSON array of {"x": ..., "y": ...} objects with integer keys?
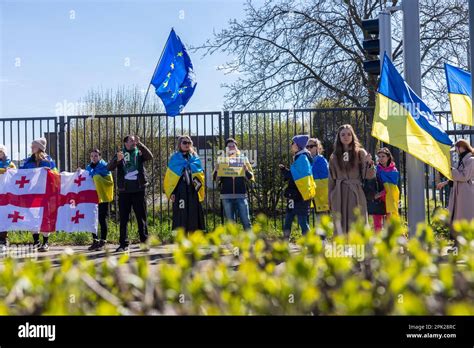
[
  {"x": 131, "y": 184},
  {"x": 233, "y": 183},
  {"x": 387, "y": 177},
  {"x": 104, "y": 184},
  {"x": 349, "y": 165},
  {"x": 460, "y": 94},
  {"x": 461, "y": 194},
  {"x": 184, "y": 186},
  {"x": 301, "y": 188},
  {"x": 39, "y": 159},
  {"x": 5, "y": 163}
]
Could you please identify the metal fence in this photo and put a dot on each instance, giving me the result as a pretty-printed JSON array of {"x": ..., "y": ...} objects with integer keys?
[{"x": 264, "y": 135}]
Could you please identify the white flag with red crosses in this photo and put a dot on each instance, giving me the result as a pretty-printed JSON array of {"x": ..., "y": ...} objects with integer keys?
[{"x": 41, "y": 200}]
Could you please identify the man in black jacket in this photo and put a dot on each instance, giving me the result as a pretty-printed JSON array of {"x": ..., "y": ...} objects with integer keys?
[{"x": 131, "y": 183}]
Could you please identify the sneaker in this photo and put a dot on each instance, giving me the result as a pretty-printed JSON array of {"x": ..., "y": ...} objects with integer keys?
[
  {"x": 94, "y": 246},
  {"x": 101, "y": 245},
  {"x": 3, "y": 248},
  {"x": 43, "y": 248},
  {"x": 36, "y": 245},
  {"x": 121, "y": 249}
]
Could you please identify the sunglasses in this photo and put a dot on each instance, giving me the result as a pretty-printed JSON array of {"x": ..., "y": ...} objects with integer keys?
[
  {"x": 186, "y": 142},
  {"x": 310, "y": 146}
]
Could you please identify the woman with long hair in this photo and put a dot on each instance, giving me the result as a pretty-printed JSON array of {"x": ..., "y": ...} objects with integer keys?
[
  {"x": 349, "y": 165},
  {"x": 462, "y": 186},
  {"x": 184, "y": 186},
  {"x": 387, "y": 179}
]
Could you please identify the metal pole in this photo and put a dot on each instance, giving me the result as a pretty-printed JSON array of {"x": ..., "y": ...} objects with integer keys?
[
  {"x": 385, "y": 37},
  {"x": 412, "y": 72},
  {"x": 149, "y": 84},
  {"x": 471, "y": 44}
]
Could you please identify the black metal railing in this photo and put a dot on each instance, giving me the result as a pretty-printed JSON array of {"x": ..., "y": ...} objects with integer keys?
[{"x": 265, "y": 135}]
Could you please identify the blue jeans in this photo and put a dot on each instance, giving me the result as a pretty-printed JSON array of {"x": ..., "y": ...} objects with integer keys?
[
  {"x": 301, "y": 211},
  {"x": 237, "y": 206}
]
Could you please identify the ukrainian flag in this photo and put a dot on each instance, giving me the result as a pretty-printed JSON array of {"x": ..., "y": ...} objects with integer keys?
[
  {"x": 104, "y": 186},
  {"x": 403, "y": 120},
  {"x": 303, "y": 177},
  {"x": 176, "y": 165},
  {"x": 320, "y": 175},
  {"x": 392, "y": 192},
  {"x": 460, "y": 94}
]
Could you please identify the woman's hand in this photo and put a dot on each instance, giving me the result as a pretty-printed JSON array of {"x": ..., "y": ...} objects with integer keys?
[
  {"x": 441, "y": 185},
  {"x": 172, "y": 198},
  {"x": 281, "y": 166},
  {"x": 378, "y": 195},
  {"x": 119, "y": 156}
]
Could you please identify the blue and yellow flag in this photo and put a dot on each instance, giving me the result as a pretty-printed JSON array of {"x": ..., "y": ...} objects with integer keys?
[
  {"x": 390, "y": 177},
  {"x": 176, "y": 165},
  {"x": 174, "y": 77},
  {"x": 303, "y": 177},
  {"x": 460, "y": 94},
  {"x": 320, "y": 174},
  {"x": 103, "y": 180},
  {"x": 403, "y": 120}
]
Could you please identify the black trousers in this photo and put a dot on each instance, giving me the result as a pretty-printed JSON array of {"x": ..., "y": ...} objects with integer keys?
[
  {"x": 3, "y": 237},
  {"x": 127, "y": 201},
  {"x": 103, "y": 214}
]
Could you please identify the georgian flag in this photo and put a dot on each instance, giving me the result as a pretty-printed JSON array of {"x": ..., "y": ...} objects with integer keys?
[{"x": 41, "y": 200}]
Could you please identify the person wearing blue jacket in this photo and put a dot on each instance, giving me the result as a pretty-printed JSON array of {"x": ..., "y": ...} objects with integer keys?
[{"x": 39, "y": 159}]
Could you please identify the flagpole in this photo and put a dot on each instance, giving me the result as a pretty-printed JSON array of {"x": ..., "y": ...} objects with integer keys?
[
  {"x": 412, "y": 71},
  {"x": 148, "y": 89},
  {"x": 471, "y": 45}
]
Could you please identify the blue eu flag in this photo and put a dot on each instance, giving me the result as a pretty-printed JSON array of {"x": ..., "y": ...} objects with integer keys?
[{"x": 174, "y": 77}]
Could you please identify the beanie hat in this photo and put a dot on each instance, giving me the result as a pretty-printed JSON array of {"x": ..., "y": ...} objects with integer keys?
[
  {"x": 301, "y": 140},
  {"x": 41, "y": 143},
  {"x": 3, "y": 149},
  {"x": 230, "y": 140}
]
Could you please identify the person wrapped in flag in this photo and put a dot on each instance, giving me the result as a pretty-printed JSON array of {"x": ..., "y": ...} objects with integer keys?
[
  {"x": 320, "y": 169},
  {"x": 460, "y": 94},
  {"x": 184, "y": 185},
  {"x": 39, "y": 159},
  {"x": 387, "y": 177},
  {"x": 301, "y": 188},
  {"x": 104, "y": 183},
  {"x": 5, "y": 163}
]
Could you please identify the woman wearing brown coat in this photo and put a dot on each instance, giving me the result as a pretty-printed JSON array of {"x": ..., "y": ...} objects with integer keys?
[
  {"x": 348, "y": 165},
  {"x": 462, "y": 187}
]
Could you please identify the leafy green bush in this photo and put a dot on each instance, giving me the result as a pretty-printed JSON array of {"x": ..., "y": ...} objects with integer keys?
[{"x": 232, "y": 272}]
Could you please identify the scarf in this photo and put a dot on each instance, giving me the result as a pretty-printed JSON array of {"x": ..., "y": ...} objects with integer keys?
[{"x": 130, "y": 159}]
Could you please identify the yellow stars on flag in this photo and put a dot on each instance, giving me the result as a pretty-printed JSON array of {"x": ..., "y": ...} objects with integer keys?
[
  {"x": 180, "y": 54},
  {"x": 172, "y": 66},
  {"x": 165, "y": 84}
]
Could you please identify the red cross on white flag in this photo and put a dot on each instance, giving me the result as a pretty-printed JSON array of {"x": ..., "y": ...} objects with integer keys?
[{"x": 39, "y": 200}]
